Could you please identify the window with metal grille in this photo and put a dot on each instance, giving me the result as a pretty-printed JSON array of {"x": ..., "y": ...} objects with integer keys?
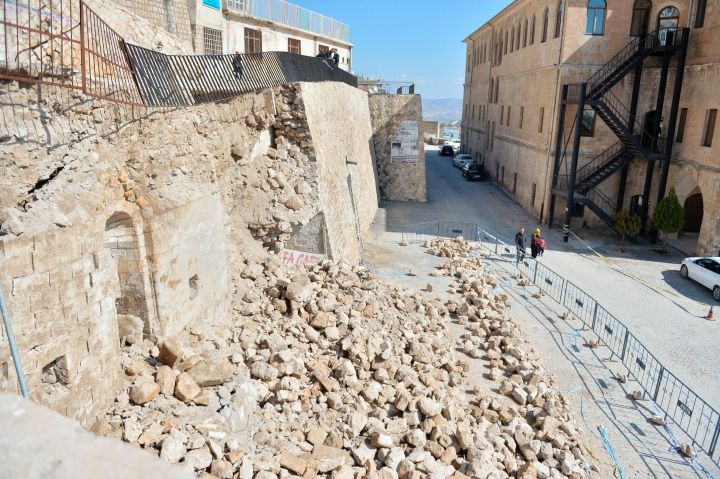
[
  {"x": 294, "y": 45},
  {"x": 253, "y": 41},
  {"x": 681, "y": 125},
  {"x": 212, "y": 41},
  {"x": 710, "y": 127},
  {"x": 237, "y": 5}
]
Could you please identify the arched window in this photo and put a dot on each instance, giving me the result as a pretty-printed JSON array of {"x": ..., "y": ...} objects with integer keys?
[
  {"x": 512, "y": 40},
  {"x": 506, "y": 44},
  {"x": 558, "y": 18},
  {"x": 525, "y": 33},
  {"x": 641, "y": 15},
  {"x": 596, "y": 17},
  {"x": 669, "y": 17},
  {"x": 517, "y": 37},
  {"x": 532, "y": 31},
  {"x": 546, "y": 19}
]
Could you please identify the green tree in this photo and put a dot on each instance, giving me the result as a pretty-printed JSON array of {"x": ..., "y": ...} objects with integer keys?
[
  {"x": 669, "y": 215},
  {"x": 627, "y": 224}
]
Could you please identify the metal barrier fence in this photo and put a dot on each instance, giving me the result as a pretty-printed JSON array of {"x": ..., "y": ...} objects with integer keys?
[
  {"x": 681, "y": 406},
  {"x": 379, "y": 87},
  {"x": 64, "y": 43}
]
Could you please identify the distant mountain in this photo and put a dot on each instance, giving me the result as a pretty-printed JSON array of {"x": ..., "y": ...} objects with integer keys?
[{"x": 443, "y": 110}]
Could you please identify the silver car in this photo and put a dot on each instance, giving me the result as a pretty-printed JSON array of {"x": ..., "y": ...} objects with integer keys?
[
  {"x": 462, "y": 160},
  {"x": 705, "y": 271}
]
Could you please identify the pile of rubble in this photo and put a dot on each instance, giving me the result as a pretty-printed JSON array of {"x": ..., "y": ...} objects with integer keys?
[
  {"x": 329, "y": 372},
  {"x": 286, "y": 174},
  {"x": 448, "y": 248}
]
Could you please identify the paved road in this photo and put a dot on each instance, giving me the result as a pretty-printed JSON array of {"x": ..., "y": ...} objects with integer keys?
[
  {"x": 655, "y": 309},
  {"x": 662, "y": 310}
]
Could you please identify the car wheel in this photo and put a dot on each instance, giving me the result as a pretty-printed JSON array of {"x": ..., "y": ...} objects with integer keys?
[
  {"x": 716, "y": 293},
  {"x": 684, "y": 271}
]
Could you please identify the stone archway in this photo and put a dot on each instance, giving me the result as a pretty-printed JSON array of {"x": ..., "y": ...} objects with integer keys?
[
  {"x": 121, "y": 240},
  {"x": 693, "y": 212}
]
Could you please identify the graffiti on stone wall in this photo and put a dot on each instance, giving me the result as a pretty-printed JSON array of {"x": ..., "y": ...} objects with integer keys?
[
  {"x": 404, "y": 146},
  {"x": 296, "y": 258}
]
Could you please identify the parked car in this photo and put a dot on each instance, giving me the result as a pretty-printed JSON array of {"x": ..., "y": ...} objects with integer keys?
[
  {"x": 473, "y": 172},
  {"x": 447, "y": 150},
  {"x": 456, "y": 144},
  {"x": 462, "y": 160},
  {"x": 705, "y": 271}
]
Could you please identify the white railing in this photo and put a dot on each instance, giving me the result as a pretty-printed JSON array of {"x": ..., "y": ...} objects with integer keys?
[{"x": 280, "y": 11}]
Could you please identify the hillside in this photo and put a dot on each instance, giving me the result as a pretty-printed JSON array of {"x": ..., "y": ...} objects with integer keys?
[{"x": 443, "y": 110}]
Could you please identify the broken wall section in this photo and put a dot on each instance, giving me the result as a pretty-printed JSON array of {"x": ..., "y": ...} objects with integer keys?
[
  {"x": 117, "y": 229},
  {"x": 399, "y": 147}
]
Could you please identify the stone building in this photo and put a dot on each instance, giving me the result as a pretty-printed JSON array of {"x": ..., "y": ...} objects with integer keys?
[
  {"x": 627, "y": 55},
  {"x": 250, "y": 26}
]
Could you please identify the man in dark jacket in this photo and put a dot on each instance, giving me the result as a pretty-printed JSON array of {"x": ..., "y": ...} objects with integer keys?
[{"x": 520, "y": 243}]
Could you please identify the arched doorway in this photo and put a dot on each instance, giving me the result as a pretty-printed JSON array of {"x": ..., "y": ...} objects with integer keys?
[
  {"x": 648, "y": 127},
  {"x": 668, "y": 20},
  {"x": 640, "y": 18},
  {"x": 693, "y": 212},
  {"x": 122, "y": 242}
]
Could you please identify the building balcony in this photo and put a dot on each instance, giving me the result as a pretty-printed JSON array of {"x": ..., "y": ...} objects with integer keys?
[{"x": 291, "y": 15}]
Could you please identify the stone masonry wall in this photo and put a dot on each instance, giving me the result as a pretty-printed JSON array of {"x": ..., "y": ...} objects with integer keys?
[
  {"x": 342, "y": 135},
  {"x": 119, "y": 225},
  {"x": 398, "y": 181}
]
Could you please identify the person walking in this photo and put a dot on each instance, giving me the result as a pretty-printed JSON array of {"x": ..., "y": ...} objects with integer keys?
[
  {"x": 520, "y": 244},
  {"x": 237, "y": 65},
  {"x": 533, "y": 243}
]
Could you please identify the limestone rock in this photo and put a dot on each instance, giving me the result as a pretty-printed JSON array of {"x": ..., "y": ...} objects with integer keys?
[
  {"x": 186, "y": 388},
  {"x": 144, "y": 391}
]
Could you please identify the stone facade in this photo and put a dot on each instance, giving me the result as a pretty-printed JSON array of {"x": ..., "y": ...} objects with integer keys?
[
  {"x": 230, "y": 24},
  {"x": 113, "y": 218},
  {"x": 399, "y": 180},
  {"x": 513, "y": 83}
]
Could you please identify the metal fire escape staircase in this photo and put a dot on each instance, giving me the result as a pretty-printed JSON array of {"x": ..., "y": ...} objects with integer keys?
[{"x": 634, "y": 140}]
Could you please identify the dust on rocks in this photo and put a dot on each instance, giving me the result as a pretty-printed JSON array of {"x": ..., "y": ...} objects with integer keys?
[{"x": 335, "y": 373}]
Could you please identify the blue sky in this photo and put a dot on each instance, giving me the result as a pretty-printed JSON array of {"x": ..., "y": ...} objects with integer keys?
[{"x": 417, "y": 41}]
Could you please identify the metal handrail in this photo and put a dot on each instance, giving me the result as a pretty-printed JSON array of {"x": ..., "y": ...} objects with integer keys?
[
  {"x": 604, "y": 202},
  {"x": 13, "y": 347},
  {"x": 286, "y": 13},
  {"x": 600, "y": 161},
  {"x": 653, "y": 40}
]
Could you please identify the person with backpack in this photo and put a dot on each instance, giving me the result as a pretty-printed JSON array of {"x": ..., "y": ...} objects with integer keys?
[{"x": 537, "y": 244}]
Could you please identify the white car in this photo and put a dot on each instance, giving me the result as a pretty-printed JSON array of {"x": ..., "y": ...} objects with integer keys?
[
  {"x": 462, "y": 160},
  {"x": 705, "y": 271},
  {"x": 456, "y": 144}
]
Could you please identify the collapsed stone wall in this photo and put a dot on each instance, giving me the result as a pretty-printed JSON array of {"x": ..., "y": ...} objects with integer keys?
[
  {"x": 118, "y": 225},
  {"x": 399, "y": 146}
]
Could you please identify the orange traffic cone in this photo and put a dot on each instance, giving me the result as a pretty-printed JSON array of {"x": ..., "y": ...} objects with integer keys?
[{"x": 710, "y": 313}]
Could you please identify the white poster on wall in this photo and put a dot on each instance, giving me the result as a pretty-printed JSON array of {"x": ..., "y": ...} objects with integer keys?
[{"x": 405, "y": 147}]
